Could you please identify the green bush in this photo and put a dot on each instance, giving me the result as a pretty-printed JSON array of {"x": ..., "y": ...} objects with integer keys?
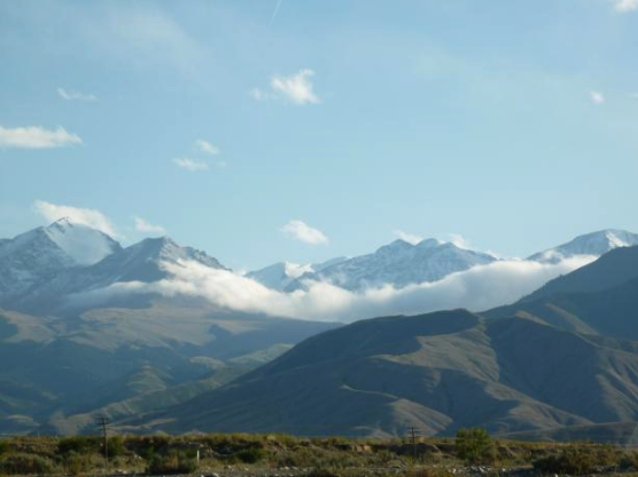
[
  {"x": 579, "y": 460},
  {"x": 116, "y": 446},
  {"x": 250, "y": 455},
  {"x": 75, "y": 463},
  {"x": 79, "y": 444},
  {"x": 173, "y": 463},
  {"x": 475, "y": 446},
  {"x": 21, "y": 463}
]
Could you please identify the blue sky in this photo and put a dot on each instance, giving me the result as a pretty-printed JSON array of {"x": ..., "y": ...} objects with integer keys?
[{"x": 329, "y": 126}]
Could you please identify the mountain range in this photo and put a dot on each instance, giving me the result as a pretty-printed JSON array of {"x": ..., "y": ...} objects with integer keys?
[
  {"x": 401, "y": 263},
  {"x": 88, "y": 326},
  {"x": 563, "y": 359}
]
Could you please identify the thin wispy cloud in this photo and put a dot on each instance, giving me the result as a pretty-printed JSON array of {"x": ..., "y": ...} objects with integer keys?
[
  {"x": 625, "y": 6},
  {"x": 408, "y": 237},
  {"x": 259, "y": 95},
  {"x": 71, "y": 95},
  {"x": 151, "y": 35},
  {"x": 145, "y": 227},
  {"x": 89, "y": 217},
  {"x": 191, "y": 165},
  {"x": 36, "y": 137},
  {"x": 597, "y": 98},
  {"x": 296, "y": 88},
  {"x": 299, "y": 230},
  {"x": 206, "y": 147},
  {"x": 275, "y": 11}
]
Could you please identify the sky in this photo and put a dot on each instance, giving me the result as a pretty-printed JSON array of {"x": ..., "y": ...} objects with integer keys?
[{"x": 262, "y": 131}]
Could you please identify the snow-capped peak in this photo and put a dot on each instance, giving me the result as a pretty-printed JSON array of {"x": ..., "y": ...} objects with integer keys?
[
  {"x": 615, "y": 241},
  {"x": 594, "y": 244},
  {"x": 83, "y": 244}
]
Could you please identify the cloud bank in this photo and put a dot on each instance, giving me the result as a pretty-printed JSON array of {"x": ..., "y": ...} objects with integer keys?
[
  {"x": 477, "y": 289},
  {"x": 89, "y": 217},
  {"x": 35, "y": 137}
]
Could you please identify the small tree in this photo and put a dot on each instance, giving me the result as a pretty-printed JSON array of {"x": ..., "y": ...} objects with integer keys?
[{"x": 475, "y": 446}]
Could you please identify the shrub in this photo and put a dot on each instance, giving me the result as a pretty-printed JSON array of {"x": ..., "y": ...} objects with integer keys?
[
  {"x": 75, "y": 463},
  {"x": 21, "y": 463},
  {"x": 578, "y": 461},
  {"x": 173, "y": 463},
  {"x": 79, "y": 444},
  {"x": 250, "y": 455},
  {"x": 116, "y": 446},
  {"x": 475, "y": 446}
]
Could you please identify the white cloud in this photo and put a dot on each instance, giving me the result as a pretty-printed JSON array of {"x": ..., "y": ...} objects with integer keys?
[
  {"x": 624, "y": 6},
  {"x": 206, "y": 147},
  {"x": 146, "y": 227},
  {"x": 408, "y": 237},
  {"x": 477, "y": 289},
  {"x": 460, "y": 241},
  {"x": 89, "y": 217},
  {"x": 192, "y": 165},
  {"x": 70, "y": 95},
  {"x": 297, "y": 88},
  {"x": 295, "y": 270},
  {"x": 35, "y": 137},
  {"x": 299, "y": 230},
  {"x": 597, "y": 97}
]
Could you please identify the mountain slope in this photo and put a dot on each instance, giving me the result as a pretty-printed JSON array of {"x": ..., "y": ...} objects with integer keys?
[
  {"x": 55, "y": 369},
  {"x": 438, "y": 372},
  {"x": 612, "y": 269},
  {"x": 599, "y": 298},
  {"x": 399, "y": 264}
]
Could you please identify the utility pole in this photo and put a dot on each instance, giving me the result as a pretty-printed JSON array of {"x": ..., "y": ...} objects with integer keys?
[
  {"x": 102, "y": 422},
  {"x": 414, "y": 433}
]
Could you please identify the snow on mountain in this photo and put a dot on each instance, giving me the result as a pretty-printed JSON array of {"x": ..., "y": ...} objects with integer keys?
[
  {"x": 83, "y": 244},
  {"x": 141, "y": 262},
  {"x": 42, "y": 266},
  {"x": 595, "y": 243},
  {"x": 280, "y": 275},
  {"x": 399, "y": 264},
  {"x": 40, "y": 254}
]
